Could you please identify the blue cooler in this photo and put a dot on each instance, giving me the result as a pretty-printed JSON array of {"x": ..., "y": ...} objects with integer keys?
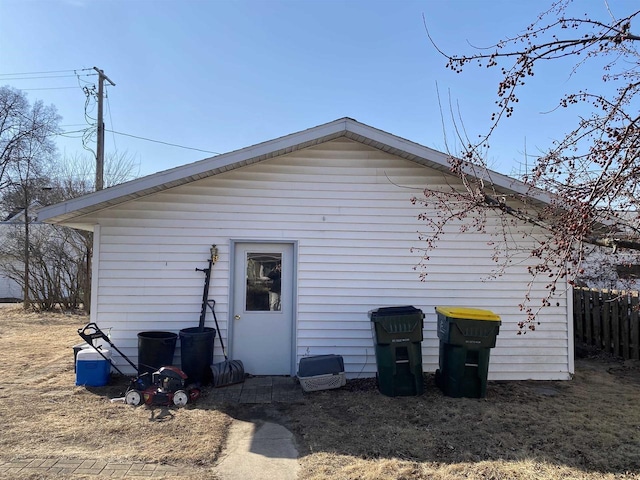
[{"x": 92, "y": 369}]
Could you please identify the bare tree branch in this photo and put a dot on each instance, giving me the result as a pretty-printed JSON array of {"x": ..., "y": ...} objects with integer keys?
[{"x": 591, "y": 172}]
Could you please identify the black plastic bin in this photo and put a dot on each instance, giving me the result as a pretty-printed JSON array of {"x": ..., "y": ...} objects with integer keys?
[
  {"x": 155, "y": 350},
  {"x": 398, "y": 337},
  {"x": 76, "y": 350},
  {"x": 467, "y": 336},
  {"x": 196, "y": 353}
]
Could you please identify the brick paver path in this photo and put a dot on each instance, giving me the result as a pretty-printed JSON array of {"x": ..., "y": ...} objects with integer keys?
[{"x": 63, "y": 468}]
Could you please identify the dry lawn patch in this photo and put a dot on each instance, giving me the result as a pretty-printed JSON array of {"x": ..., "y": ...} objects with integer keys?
[
  {"x": 44, "y": 415},
  {"x": 587, "y": 428}
]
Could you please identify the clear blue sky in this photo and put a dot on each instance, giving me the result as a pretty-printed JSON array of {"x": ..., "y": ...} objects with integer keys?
[{"x": 222, "y": 75}]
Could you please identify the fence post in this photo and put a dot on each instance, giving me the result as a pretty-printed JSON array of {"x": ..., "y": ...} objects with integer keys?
[
  {"x": 615, "y": 322},
  {"x": 635, "y": 328},
  {"x": 606, "y": 321},
  {"x": 588, "y": 305},
  {"x": 597, "y": 319},
  {"x": 625, "y": 311},
  {"x": 578, "y": 314}
]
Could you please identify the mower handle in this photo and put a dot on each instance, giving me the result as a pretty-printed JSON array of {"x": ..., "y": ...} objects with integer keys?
[{"x": 91, "y": 331}]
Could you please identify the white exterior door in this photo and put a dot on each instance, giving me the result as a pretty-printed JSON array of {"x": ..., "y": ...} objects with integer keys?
[{"x": 262, "y": 313}]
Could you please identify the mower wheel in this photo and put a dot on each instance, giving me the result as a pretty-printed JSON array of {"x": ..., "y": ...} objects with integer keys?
[
  {"x": 180, "y": 398},
  {"x": 133, "y": 397}
]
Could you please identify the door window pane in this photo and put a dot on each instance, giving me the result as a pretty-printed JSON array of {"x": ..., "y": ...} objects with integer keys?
[{"x": 264, "y": 271}]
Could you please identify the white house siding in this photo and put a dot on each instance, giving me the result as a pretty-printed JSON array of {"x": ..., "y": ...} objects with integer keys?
[
  {"x": 9, "y": 289},
  {"x": 348, "y": 207}
]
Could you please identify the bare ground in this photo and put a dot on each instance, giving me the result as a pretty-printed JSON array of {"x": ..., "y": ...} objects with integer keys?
[{"x": 587, "y": 428}]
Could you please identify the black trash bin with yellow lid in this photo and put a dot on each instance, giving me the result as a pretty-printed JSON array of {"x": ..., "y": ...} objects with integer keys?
[{"x": 467, "y": 336}]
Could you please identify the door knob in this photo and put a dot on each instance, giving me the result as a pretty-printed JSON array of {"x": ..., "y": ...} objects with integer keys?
[{"x": 237, "y": 317}]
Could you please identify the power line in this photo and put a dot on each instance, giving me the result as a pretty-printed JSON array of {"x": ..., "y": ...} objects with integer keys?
[
  {"x": 89, "y": 92},
  {"x": 49, "y": 88},
  {"x": 87, "y": 131},
  {"x": 164, "y": 143},
  {"x": 50, "y": 76},
  {"x": 44, "y": 73},
  {"x": 106, "y": 95},
  {"x": 69, "y": 133}
]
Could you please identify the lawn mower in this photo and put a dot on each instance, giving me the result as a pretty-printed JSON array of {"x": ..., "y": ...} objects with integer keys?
[{"x": 165, "y": 386}]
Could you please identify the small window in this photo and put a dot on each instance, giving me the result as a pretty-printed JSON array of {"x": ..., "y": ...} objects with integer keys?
[{"x": 264, "y": 271}]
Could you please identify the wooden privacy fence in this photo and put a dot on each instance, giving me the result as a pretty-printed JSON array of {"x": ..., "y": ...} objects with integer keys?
[{"x": 608, "y": 320}]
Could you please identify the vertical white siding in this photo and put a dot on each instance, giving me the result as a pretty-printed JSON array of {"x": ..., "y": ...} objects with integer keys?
[
  {"x": 9, "y": 288},
  {"x": 95, "y": 269},
  {"x": 349, "y": 208}
]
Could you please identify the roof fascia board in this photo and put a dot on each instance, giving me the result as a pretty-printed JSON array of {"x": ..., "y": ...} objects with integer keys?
[
  {"x": 437, "y": 159},
  {"x": 440, "y": 161}
]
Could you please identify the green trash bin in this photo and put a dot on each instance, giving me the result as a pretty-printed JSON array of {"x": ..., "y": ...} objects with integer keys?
[
  {"x": 467, "y": 336},
  {"x": 398, "y": 346}
]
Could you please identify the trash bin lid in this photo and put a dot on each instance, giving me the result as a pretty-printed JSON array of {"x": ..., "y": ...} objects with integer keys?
[
  {"x": 468, "y": 313},
  {"x": 394, "y": 311}
]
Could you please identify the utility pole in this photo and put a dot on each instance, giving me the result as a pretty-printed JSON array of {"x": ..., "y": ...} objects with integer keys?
[
  {"x": 100, "y": 147},
  {"x": 26, "y": 303}
]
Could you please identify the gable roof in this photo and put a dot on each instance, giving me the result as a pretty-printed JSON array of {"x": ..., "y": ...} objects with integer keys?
[
  {"x": 345, "y": 127},
  {"x": 17, "y": 216}
]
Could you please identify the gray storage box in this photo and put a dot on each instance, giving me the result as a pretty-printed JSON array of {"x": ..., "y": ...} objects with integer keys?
[
  {"x": 321, "y": 372},
  {"x": 320, "y": 365}
]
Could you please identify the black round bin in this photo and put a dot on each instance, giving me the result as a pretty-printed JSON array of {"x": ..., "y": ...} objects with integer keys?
[
  {"x": 155, "y": 350},
  {"x": 196, "y": 353}
]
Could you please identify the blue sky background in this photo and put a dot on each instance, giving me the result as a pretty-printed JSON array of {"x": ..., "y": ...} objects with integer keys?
[{"x": 222, "y": 75}]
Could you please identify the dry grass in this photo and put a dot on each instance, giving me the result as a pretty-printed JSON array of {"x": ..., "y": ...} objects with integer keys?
[
  {"x": 588, "y": 428},
  {"x": 44, "y": 415}
]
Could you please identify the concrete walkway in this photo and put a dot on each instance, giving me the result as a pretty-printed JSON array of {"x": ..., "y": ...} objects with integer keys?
[{"x": 258, "y": 451}]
